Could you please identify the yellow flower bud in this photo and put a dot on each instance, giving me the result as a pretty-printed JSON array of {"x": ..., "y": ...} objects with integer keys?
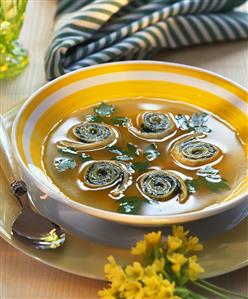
[
  {"x": 106, "y": 294},
  {"x": 193, "y": 244},
  {"x": 153, "y": 238},
  {"x": 134, "y": 289},
  {"x": 139, "y": 249},
  {"x": 178, "y": 231},
  {"x": 194, "y": 269},
  {"x": 134, "y": 272},
  {"x": 173, "y": 243},
  {"x": 177, "y": 260}
]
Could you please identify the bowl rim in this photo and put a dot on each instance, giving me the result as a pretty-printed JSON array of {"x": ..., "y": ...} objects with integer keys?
[{"x": 146, "y": 220}]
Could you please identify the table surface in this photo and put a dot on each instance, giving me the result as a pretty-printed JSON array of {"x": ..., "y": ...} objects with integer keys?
[{"x": 24, "y": 278}]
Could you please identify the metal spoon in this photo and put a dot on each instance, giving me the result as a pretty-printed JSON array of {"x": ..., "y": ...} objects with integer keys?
[{"x": 29, "y": 227}]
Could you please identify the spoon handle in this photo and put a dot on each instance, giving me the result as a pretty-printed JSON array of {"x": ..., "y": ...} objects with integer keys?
[{"x": 7, "y": 160}]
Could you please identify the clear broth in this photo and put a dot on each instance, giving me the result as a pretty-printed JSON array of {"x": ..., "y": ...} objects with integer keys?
[{"x": 231, "y": 167}]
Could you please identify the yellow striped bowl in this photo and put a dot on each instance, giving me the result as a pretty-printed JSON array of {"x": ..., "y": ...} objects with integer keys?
[{"x": 59, "y": 98}]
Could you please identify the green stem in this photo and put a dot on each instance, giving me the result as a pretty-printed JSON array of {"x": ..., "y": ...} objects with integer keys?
[
  {"x": 222, "y": 289},
  {"x": 182, "y": 292},
  {"x": 210, "y": 290}
]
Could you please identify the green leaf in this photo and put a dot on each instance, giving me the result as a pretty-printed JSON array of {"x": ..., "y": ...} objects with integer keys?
[
  {"x": 63, "y": 163},
  {"x": 193, "y": 185},
  {"x": 129, "y": 205},
  {"x": 132, "y": 150},
  {"x": 197, "y": 122},
  {"x": 117, "y": 150},
  {"x": 118, "y": 120},
  {"x": 124, "y": 155},
  {"x": 94, "y": 118},
  {"x": 85, "y": 157},
  {"x": 124, "y": 158},
  {"x": 207, "y": 171},
  {"x": 104, "y": 109},
  {"x": 182, "y": 121},
  {"x": 140, "y": 166},
  {"x": 67, "y": 150},
  {"x": 216, "y": 186},
  {"x": 151, "y": 152}
]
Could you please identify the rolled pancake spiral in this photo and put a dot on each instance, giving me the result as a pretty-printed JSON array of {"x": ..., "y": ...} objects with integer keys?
[
  {"x": 90, "y": 136},
  {"x": 192, "y": 152},
  {"x": 103, "y": 174},
  {"x": 162, "y": 185},
  {"x": 153, "y": 126}
]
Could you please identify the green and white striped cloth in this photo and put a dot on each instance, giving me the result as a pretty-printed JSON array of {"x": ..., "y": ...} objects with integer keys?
[{"x": 92, "y": 32}]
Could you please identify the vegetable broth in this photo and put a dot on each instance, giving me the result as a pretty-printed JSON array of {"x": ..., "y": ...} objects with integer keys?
[{"x": 231, "y": 164}]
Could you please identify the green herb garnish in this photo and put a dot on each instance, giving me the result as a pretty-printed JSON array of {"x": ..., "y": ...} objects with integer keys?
[
  {"x": 197, "y": 122},
  {"x": 129, "y": 205},
  {"x": 85, "y": 157},
  {"x": 140, "y": 166},
  {"x": 104, "y": 109},
  {"x": 103, "y": 114},
  {"x": 151, "y": 152},
  {"x": 63, "y": 163},
  {"x": 124, "y": 154},
  {"x": 94, "y": 118},
  {"x": 67, "y": 150},
  {"x": 193, "y": 185},
  {"x": 210, "y": 178},
  {"x": 118, "y": 121},
  {"x": 216, "y": 186}
]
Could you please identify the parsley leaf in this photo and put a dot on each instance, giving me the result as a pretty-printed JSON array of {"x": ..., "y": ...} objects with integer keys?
[
  {"x": 104, "y": 109},
  {"x": 85, "y": 157},
  {"x": 197, "y": 122},
  {"x": 132, "y": 150},
  {"x": 124, "y": 155},
  {"x": 118, "y": 120},
  {"x": 151, "y": 152},
  {"x": 129, "y": 205},
  {"x": 94, "y": 118},
  {"x": 193, "y": 185},
  {"x": 62, "y": 163},
  {"x": 116, "y": 150},
  {"x": 210, "y": 178},
  {"x": 67, "y": 150},
  {"x": 140, "y": 166},
  {"x": 216, "y": 186},
  {"x": 182, "y": 121}
]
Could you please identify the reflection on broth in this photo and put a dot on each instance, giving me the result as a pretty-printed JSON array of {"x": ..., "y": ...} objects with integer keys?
[{"x": 144, "y": 156}]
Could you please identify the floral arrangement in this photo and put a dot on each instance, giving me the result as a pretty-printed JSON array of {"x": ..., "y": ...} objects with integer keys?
[{"x": 165, "y": 269}]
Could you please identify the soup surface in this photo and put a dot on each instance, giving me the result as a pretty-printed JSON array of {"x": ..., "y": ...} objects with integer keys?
[{"x": 144, "y": 156}]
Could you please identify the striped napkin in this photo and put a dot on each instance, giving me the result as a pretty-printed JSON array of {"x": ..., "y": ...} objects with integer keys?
[{"x": 92, "y": 32}]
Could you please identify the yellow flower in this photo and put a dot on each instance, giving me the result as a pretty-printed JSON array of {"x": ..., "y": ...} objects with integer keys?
[
  {"x": 193, "y": 244},
  {"x": 134, "y": 290},
  {"x": 134, "y": 272},
  {"x": 174, "y": 243},
  {"x": 178, "y": 260},
  {"x": 139, "y": 249},
  {"x": 178, "y": 231},
  {"x": 107, "y": 294},
  {"x": 194, "y": 268},
  {"x": 157, "y": 287},
  {"x": 157, "y": 266},
  {"x": 114, "y": 273},
  {"x": 153, "y": 238}
]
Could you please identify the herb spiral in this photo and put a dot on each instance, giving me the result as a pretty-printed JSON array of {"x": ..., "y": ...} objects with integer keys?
[
  {"x": 162, "y": 185},
  {"x": 153, "y": 126},
  {"x": 103, "y": 174},
  {"x": 192, "y": 152},
  {"x": 90, "y": 136}
]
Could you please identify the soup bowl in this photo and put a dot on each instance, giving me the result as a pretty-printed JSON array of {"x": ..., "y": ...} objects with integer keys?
[{"x": 89, "y": 86}]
